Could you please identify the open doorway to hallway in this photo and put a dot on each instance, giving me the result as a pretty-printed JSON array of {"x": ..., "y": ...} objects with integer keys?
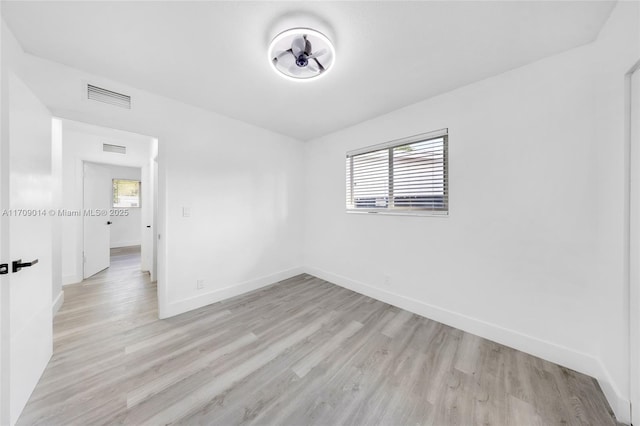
[{"x": 108, "y": 187}]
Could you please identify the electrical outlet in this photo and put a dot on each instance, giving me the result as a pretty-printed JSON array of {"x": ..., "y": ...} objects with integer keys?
[
  {"x": 387, "y": 279},
  {"x": 200, "y": 284}
]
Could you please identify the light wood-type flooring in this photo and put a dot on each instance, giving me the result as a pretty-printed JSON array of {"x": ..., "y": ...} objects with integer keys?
[{"x": 299, "y": 352}]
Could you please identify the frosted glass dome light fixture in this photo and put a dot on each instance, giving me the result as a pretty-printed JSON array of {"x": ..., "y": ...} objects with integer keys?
[{"x": 301, "y": 54}]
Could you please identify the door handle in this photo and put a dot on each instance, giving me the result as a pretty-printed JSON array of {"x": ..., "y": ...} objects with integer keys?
[
  {"x": 148, "y": 226},
  {"x": 17, "y": 265},
  {"x": 4, "y": 268},
  {"x": 109, "y": 222}
]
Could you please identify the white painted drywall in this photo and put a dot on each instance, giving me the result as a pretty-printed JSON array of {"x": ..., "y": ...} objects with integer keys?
[
  {"x": 615, "y": 52},
  {"x": 521, "y": 258},
  {"x": 81, "y": 142},
  {"x": 56, "y": 203},
  {"x": 242, "y": 183},
  {"x": 633, "y": 117},
  {"x": 127, "y": 230}
]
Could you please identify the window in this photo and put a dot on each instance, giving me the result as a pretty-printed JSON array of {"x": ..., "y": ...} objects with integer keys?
[
  {"x": 404, "y": 176},
  {"x": 126, "y": 193}
]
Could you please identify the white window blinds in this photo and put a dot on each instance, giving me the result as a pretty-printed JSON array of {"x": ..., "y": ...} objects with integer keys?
[{"x": 403, "y": 176}]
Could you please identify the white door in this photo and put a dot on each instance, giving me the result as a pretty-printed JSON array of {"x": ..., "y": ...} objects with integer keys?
[
  {"x": 26, "y": 219},
  {"x": 97, "y": 203},
  {"x": 635, "y": 248}
]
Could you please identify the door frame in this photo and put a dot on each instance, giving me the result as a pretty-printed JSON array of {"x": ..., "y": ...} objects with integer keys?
[
  {"x": 633, "y": 261},
  {"x": 154, "y": 216},
  {"x": 159, "y": 224}
]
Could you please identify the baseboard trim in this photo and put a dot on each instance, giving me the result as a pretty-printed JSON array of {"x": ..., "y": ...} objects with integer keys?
[
  {"x": 57, "y": 303},
  {"x": 71, "y": 279},
  {"x": 578, "y": 361},
  {"x": 233, "y": 290},
  {"x": 620, "y": 405}
]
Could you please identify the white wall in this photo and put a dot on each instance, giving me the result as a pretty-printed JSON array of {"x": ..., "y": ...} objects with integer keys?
[
  {"x": 81, "y": 142},
  {"x": 634, "y": 237},
  {"x": 616, "y": 51},
  {"x": 127, "y": 230},
  {"x": 56, "y": 203},
  {"x": 242, "y": 183},
  {"x": 520, "y": 258}
]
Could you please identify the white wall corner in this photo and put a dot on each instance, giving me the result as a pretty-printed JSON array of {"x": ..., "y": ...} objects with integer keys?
[
  {"x": 71, "y": 279},
  {"x": 620, "y": 404},
  {"x": 224, "y": 293},
  {"x": 561, "y": 355},
  {"x": 57, "y": 303}
]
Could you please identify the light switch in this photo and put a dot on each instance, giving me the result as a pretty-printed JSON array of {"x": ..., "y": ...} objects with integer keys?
[{"x": 186, "y": 212}]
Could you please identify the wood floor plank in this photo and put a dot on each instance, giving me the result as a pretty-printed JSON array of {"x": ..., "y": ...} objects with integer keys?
[
  {"x": 174, "y": 376},
  {"x": 305, "y": 365},
  {"x": 195, "y": 398},
  {"x": 301, "y": 351}
]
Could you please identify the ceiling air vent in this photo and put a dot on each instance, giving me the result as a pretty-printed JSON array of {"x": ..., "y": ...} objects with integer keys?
[
  {"x": 107, "y": 96},
  {"x": 114, "y": 148}
]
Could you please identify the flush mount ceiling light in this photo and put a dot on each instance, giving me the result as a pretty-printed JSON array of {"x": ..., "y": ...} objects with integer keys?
[{"x": 301, "y": 54}]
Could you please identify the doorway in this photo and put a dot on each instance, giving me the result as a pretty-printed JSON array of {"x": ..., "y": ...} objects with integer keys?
[
  {"x": 109, "y": 192},
  {"x": 112, "y": 214}
]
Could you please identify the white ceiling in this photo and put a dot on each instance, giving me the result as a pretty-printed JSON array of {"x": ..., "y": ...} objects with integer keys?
[{"x": 388, "y": 54}]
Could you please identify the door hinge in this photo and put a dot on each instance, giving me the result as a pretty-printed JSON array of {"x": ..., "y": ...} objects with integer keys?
[{"x": 4, "y": 268}]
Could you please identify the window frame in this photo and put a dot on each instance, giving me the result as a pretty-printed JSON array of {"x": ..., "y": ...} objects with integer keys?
[
  {"x": 393, "y": 210},
  {"x": 113, "y": 204}
]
